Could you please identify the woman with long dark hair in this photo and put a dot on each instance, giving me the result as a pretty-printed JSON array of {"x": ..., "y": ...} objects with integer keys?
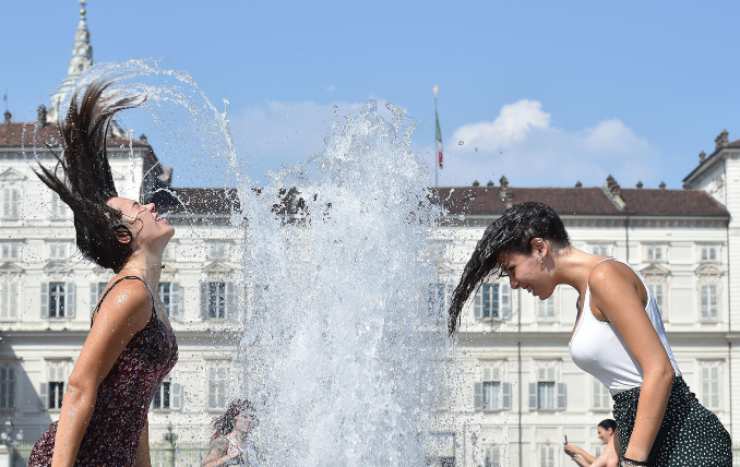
[
  {"x": 230, "y": 443},
  {"x": 618, "y": 336},
  {"x": 130, "y": 347}
]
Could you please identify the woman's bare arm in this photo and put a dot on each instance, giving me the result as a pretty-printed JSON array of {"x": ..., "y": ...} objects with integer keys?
[
  {"x": 142, "y": 451},
  {"x": 613, "y": 293},
  {"x": 123, "y": 313}
]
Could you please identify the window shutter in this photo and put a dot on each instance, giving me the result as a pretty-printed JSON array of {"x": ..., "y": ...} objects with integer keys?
[
  {"x": 562, "y": 396},
  {"x": 478, "y": 305},
  {"x": 71, "y": 300},
  {"x": 15, "y": 292},
  {"x": 204, "y": 301},
  {"x": 506, "y": 405},
  {"x": 176, "y": 301},
  {"x": 44, "y": 395},
  {"x": 532, "y": 396},
  {"x": 496, "y": 302},
  {"x": 506, "y": 305},
  {"x": 176, "y": 395},
  {"x": 478, "y": 396},
  {"x": 45, "y": 300},
  {"x": 93, "y": 295},
  {"x": 232, "y": 302}
]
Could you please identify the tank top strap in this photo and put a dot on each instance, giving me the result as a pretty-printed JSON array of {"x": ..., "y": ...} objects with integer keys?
[{"x": 116, "y": 282}]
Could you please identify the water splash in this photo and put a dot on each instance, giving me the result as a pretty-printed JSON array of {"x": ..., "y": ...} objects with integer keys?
[{"x": 342, "y": 350}]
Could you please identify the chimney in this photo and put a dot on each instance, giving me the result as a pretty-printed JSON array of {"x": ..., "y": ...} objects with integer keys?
[
  {"x": 504, "y": 195},
  {"x": 613, "y": 191},
  {"x": 722, "y": 140},
  {"x": 702, "y": 156},
  {"x": 8, "y": 116},
  {"x": 41, "y": 116}
]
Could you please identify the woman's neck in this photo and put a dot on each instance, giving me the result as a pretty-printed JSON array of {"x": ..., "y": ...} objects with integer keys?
[
  {"x": 146, "y": 265},
  {"x": 573, "y": 267}
]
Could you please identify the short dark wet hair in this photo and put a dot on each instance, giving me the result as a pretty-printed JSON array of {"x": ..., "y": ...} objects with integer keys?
[
  {"x": 608, "y": 424},
  {"x": 512, "y": 232}
]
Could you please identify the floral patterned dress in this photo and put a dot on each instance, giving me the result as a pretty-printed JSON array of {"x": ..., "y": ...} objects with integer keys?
[{"x": 123, "y": 399}]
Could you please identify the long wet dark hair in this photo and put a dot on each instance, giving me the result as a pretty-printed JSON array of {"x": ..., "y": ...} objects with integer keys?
[
  {"x": 86, "y": 182},
  {"x": 512, "y": 232},
  {"x": 225, "y": 423}
]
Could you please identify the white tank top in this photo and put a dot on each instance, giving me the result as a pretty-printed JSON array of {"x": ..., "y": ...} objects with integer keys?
[{"x": 598, "y": 350}]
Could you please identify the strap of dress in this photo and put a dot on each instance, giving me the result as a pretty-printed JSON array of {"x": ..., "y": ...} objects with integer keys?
[{"x": 105, "y": 294}]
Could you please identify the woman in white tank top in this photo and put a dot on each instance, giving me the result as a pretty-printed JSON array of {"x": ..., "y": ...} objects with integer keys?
[{"x": 618, "y": 336}]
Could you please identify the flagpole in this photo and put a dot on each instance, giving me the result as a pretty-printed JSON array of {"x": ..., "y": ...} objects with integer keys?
[{"x": 435, "y": 91}]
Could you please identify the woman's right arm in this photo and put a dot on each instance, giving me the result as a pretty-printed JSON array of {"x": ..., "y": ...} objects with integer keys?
[{"x": 123, "y": 313}]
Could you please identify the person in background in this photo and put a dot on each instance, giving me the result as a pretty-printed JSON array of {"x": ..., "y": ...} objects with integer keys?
[
  {"x": 230, "y": 444},
  {"x": 608, "y": 458}
]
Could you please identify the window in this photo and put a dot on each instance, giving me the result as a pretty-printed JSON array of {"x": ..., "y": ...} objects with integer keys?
[
  {"x": 219, "y": 300},
  {"x": 602, "y": 399},
  {"x": 656, "y": 290},
  {"x": 58, "y": 300},
  {"x": 168, "y": 397},
  {"x": 9, "y": 297},
  {"x": 547, "y": 455},
  {"x": 52, "y": 392},
  {"x": 96, "y": 292},
  {"x": 710, "y": 384},
  {"x": 493, "y": 301},
  {"x": 170, "y": 294},
  {"x": 217, "y": 378},
  {"x": 60, "y": 250},
  {"x": 655, "y": 253},
  {"x": 709, "y": 302},
  {"x": 439, "y": 296},
  {"x": 710, "y": 253},
  {"x": 546, "y": 393},
  {"x": 493, "y": 456},
  {"x": 58, "y": 209},
  {"x": 11, "y": 203},
  {"x": 161, "y": 399},
  {"x": 491, "y": 393},
  {"x": 600, "y": 249},
  {"x": 218, "y": 249},
  {"x": 7, "y": 387},
  {"x": 546, "y": 309},
  {"x": 10, "y": 251}
]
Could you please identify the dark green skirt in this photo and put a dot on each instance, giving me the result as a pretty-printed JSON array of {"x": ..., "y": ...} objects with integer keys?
[{"x": 689, "y": 436}]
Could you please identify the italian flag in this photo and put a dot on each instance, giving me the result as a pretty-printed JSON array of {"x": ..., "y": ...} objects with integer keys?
[{"x": 438, "y": 138}]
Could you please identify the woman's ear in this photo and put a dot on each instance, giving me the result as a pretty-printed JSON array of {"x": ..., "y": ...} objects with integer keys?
[{"x": 540, "y": 246}]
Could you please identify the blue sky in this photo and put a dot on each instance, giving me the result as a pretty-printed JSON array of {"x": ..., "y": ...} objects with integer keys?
[{"x": 545, "y": 92}]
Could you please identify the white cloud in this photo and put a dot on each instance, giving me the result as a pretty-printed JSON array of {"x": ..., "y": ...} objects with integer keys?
[
  {"x": 522, "y": 144},
  {"x": 513, "y": 124}
]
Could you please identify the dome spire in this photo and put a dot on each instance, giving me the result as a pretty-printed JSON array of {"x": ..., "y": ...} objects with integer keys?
[{"x": 82, "y": 59}]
